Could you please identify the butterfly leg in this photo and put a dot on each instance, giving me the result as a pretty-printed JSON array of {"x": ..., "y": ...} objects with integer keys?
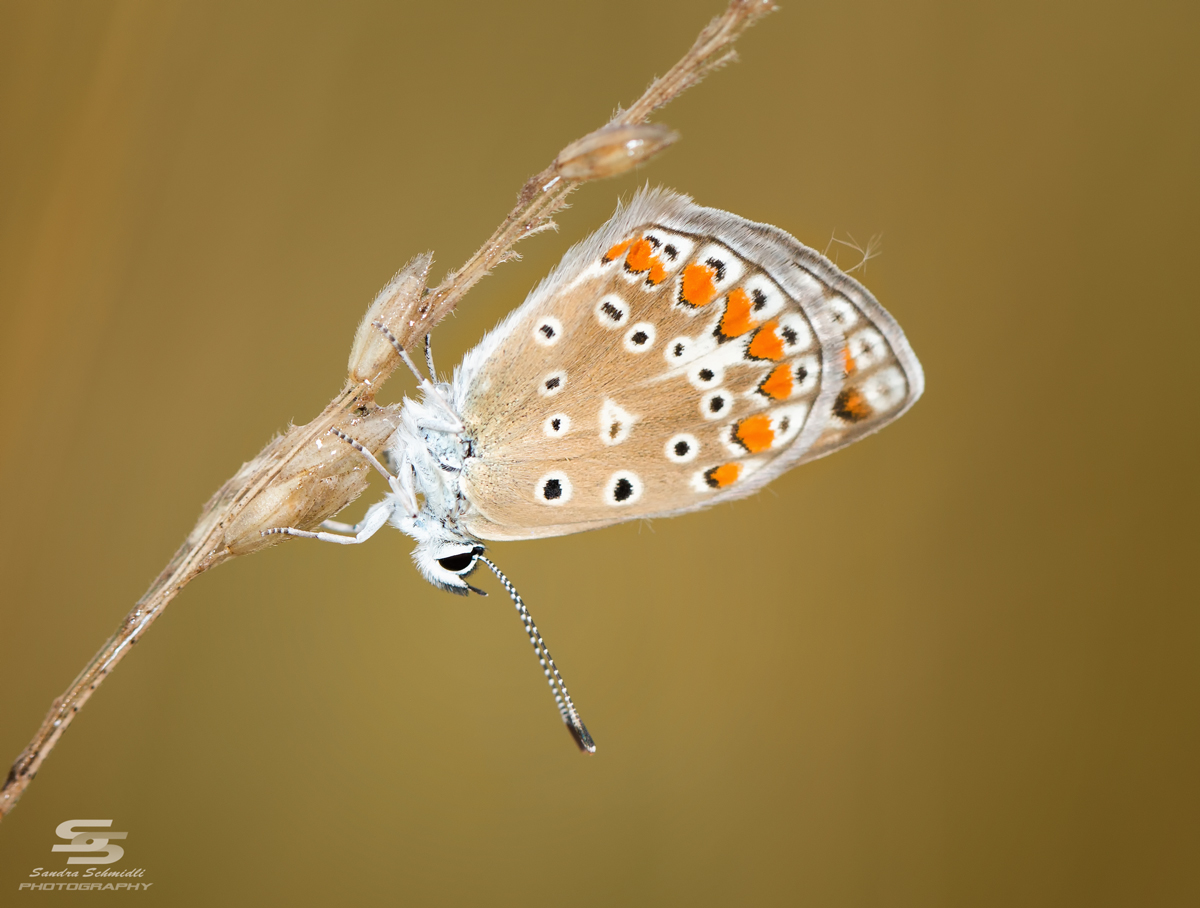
[
  {"x": 377, "y": 516},
  {"x": 450, "y": 422},
  {"x": 438, "y": 425},
  {"x": 405, "y": 490},
  {"x": 405, "y": 487},
  {"x": 370, "y": 458}
]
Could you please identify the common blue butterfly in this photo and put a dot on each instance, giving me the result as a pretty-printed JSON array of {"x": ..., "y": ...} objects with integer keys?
[{"x": 679, "y": 357}]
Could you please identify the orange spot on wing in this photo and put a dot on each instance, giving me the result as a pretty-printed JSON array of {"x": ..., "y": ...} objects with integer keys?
[
  {"x": 779, "y": 383},
  {"x": 723, "y": 476},
  {"x": 851, "y": 405},
  {"x": 641, "y": 258},
  {"x": 616, "y": 251},
  {"x": 697, "y": 288},
  {"x": 766, "y": 344},
  {"x": 755, "y": 433},
  {"x": 737, "y": 321},
  {"x": 847, "y": 361},
  {"x": 640, "y": 254}
]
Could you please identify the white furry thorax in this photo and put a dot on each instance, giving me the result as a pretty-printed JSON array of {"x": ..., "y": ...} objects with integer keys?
[{"x": 434, "y": 458}]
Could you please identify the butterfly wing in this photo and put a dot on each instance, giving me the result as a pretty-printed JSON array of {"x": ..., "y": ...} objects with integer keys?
[{"x": 679, "y": 357}]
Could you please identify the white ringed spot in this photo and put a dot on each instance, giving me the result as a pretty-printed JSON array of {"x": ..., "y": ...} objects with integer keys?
[
  {"x": 676, "y": 351},
  {"x": 786, "y": 422},
  {"x": 727, "y": 267},
  {"x": 553, "y": 383},
  {"x": 553, "y": 489},
  {"x": 682, "y": 350},
  {"x": 682, "y": 448},
  {"x": 716, "y": 404},
  {"x": 843, "y": 313},
  {"x": 557, "y": 426},
  {"x": 706, "y": 374},
  {"x": 639, "y": 338},
  {"x": 766, "y": 299},
  {"x": 612, "y": 311},
  {"x": 885, "y": 389},
  {"x": 547, "y": 331},
  {"x": 806, "y": 374},
  {"x": 624, "y": 487},
  {"x": 867, "y": 349},
  {"x": 794, "y": 332},
  {"x": 615, "y": 423}
]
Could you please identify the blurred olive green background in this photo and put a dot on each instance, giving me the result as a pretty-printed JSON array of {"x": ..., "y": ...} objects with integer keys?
[{"x": 954, "y": 664}]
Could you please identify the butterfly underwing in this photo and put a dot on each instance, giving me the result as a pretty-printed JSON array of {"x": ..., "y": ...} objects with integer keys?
[{"x": 679, "y": 357}]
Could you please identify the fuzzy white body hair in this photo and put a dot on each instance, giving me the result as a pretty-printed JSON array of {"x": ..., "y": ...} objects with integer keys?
[{"x": 434, "y": 459}]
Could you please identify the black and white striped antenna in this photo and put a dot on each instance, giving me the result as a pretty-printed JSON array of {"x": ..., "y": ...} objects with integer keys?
[{"x": 566, "y": 708}]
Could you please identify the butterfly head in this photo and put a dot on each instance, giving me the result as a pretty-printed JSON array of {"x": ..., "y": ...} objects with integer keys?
[{"x": 446, "y": 557}]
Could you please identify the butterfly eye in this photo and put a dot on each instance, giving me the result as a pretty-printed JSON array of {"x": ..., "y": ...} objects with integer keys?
[{"x": 456, "y": 564}]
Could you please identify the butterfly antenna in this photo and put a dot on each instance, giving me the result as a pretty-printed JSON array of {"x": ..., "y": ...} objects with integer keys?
[
  {"x": 426, "y": 385},
  {"x": 429, "y": 359},
  {"x": 566, "y": 708},
  {"x": 412, "y": 367}
]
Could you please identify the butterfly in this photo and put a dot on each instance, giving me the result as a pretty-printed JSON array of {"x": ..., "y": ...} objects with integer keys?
[{"x": 679, "y": 357}]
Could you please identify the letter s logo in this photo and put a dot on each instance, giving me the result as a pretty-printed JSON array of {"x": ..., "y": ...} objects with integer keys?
[{"x": 95, "y": 842}]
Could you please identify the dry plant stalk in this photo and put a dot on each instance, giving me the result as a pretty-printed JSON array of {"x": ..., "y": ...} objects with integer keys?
[{"x": 304, "y": 476}]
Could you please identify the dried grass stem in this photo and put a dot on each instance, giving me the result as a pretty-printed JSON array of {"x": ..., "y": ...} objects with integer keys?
[{"x": 290, "y": 475}]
